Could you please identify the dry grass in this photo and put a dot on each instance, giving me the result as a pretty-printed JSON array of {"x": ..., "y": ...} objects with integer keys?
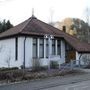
[{"x": 20, "y": 75}]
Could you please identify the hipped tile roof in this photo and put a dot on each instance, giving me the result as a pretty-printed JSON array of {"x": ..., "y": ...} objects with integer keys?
[{"x": 33, "y": 26}]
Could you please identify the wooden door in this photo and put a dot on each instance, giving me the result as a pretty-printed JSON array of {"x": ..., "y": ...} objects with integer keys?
[{"x": 70, "y": 55}]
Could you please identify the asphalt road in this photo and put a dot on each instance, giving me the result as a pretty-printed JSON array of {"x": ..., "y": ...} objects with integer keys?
[
  {"x": 56, "y": 83},
  {"x": 84, "y": 85}
]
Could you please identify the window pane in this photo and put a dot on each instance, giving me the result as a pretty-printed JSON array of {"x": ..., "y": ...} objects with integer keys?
[
  {"x": 41, "y": 51},
  {"x": 34, "y": 40},
  {"x": 53, "y": 50},
  {"x": 34, "y": 51},
  {"x": 53, "y": 47},
  {"x": 41, "y": 41},
  {"x": 47, "y": 41},
  {"x": 53, "y": 42},
  {"x": 47, "y": 50},
  {"x": 58, "y": 47},
  {"x": 34, "y": 48},
  {"x": 41, "y": 48}
]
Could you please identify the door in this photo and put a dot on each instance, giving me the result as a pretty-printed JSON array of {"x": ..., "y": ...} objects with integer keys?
[{"x": 70, "y": 55}]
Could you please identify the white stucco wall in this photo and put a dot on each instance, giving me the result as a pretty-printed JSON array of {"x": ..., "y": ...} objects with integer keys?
[
  {"x": 20, "y": 50},
  {"x": 28, "y": 51},
  {"x": 7, "y": 53}
]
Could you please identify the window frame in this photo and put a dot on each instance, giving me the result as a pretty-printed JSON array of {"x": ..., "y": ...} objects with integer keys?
[
  {"x": 53, "y": 47},
  {"x": 41, "y": 45},
  {"x": 47, "y": 49},
  {"x": 35, "y": 44},
  {"x": 58, "y": 47}
]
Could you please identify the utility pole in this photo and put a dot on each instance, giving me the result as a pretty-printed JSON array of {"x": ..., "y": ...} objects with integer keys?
[
  {"x": 87, "y": 11},
  {"x": 51, "y": 16},
  {"x": 32, "y": 12}
]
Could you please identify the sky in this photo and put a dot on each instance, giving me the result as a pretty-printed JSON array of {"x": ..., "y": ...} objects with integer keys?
[{"x": 46, "y": 10}]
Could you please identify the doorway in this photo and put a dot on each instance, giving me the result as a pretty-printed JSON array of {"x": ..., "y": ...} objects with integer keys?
[{"x": 70, "y": 53}]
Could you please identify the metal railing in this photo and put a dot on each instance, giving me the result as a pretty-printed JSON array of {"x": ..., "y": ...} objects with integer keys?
[{"x": 71, "y": 65}]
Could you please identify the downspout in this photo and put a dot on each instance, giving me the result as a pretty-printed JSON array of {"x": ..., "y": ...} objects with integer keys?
[{"x": 24, "y": 52}]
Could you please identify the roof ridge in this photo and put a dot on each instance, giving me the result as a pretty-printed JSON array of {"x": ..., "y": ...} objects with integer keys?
[{"x": 28, "y": 20}]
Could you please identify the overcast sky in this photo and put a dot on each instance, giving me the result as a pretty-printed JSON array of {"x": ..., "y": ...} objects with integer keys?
[{"x": 19, "y": 10}]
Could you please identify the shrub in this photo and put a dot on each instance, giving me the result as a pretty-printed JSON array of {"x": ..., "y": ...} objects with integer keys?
[
  {"x": 10, "y": 74},
  {"x": 88, "y": 66},
  {"x": 22, "y": 66},
  {"x": 7, "y": 69},
  {"x": 36, "y": 65},
  {"x": 54, "y": 64}
]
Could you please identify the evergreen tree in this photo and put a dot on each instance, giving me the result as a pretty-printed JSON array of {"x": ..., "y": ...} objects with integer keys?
[
  {"x": 9, "y": 25},
  {"x": 5, "y": 25},
  {"x": 0, "y": 27}
]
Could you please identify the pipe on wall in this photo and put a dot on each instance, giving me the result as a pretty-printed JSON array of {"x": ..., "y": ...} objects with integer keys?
[{"x": 24, "y": 52}]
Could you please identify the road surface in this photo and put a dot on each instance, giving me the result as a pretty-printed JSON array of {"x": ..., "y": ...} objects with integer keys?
[
  {"x": 68, "y": 82},
  {"x": 84, "y": 85}
]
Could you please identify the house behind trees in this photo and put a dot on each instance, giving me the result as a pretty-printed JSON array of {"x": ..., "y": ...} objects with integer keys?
[{"x": 76, "y": 27}]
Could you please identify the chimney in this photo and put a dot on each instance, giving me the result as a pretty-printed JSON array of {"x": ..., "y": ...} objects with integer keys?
[{"x": 64, "y": 28}]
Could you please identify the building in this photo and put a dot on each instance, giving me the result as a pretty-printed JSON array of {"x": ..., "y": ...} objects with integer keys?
[{"x": 35, "y": 40}]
